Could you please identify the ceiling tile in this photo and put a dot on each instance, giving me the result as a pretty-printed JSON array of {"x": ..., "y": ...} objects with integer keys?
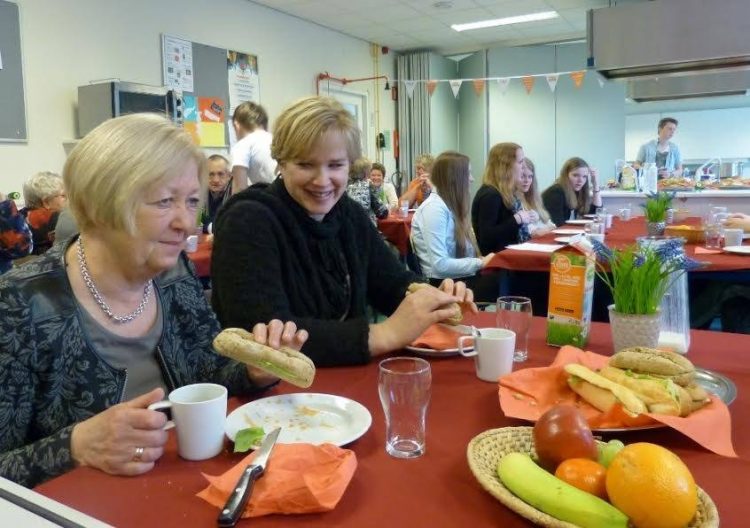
[
  {"x": 464, "y": 16},
  {"x": 519, "y": 7},
  {"x": 419, "y": 24}
]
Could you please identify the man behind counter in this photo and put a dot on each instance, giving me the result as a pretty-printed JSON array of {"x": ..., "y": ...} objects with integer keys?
[{"x": 662, "y": 151}]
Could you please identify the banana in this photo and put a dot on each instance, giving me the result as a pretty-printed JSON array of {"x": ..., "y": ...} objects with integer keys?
[{"x": 542, "y": 490}]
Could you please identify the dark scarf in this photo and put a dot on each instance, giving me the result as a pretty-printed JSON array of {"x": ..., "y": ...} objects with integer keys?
[{"x": 523, "y": 229}]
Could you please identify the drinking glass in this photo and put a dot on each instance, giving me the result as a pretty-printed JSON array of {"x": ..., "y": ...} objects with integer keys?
[
  {"x": 404, "y": 209},
  {"x": 713, "y": 235},
  {"x": 514, "y": 313},
  {"x": 404, "y": 387}
]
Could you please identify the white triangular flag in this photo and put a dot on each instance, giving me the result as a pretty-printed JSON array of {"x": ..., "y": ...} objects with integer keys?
[
  {"x": 503, "y": 84},
  {"x": 455, "y": 86},
  {"x": 552, "y": 81},
  {"x": 601, "y": 81},
  {"x": 410, "y": 85}
]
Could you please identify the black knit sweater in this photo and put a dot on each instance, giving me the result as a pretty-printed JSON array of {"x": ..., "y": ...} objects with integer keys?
[
  {"x": 272, "y": 261},
  {"x": 494, "y": 224}
]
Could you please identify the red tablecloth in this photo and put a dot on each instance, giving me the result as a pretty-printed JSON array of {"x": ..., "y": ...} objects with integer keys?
[
  {"x": 397, "y": 229},
  {"x": 621, "y": 234},
  {"x": 202, "y": 257},
  {"x": 437, "y": 489}
]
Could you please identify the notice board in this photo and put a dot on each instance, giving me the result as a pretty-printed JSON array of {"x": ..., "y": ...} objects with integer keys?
[{"x": 12, "y": 100}]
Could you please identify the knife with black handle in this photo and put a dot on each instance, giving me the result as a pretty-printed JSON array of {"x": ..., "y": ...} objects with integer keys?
[{"x": 232, "y": 510}]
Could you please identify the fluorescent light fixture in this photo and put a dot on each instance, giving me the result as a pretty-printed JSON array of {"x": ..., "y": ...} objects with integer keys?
[{"x": 532, "y": 17}]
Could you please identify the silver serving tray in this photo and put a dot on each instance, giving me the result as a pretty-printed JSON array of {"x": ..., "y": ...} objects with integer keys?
[{"x": 717, "y": 384}]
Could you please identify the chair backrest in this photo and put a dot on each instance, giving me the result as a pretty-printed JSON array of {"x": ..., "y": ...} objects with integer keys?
[{"x": 397, "y": 179}]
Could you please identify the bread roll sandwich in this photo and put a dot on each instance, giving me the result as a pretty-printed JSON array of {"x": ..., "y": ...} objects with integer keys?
[
  {"x": 285, "y": 363},
  {"x": 601, "y": 392},
  {"x": 661, "y": 364},
  {"x": 458, "y": 314},
  {"x": 661, "y": 395}
]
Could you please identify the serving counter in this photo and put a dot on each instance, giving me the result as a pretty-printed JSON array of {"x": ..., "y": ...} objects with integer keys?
[{"x": 697, "y": 202}]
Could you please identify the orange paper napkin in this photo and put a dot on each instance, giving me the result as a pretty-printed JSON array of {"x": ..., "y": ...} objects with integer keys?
[
  {"x": 299, "y": 478},
  {"x": 529, "y": 393},
  {"x": 437, "y": 337},
  {"x": 705, "y": 251}
]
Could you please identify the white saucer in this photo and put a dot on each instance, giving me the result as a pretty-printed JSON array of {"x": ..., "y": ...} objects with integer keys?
[{"x": 739, "y": 250}]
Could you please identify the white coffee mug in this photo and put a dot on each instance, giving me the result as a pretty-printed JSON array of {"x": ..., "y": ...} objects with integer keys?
[
  {"x": 493, "y": 352},
  {"x": 199, "y": 412},
  {"x": 608, "y": 221},
  {"x": 191, "y": 244},
  {"x": 732, "y": 237}
]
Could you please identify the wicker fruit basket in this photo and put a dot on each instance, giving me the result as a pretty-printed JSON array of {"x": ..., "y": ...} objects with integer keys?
[
  {"x": 691, "y": 234},
  {"x": 486, "y": 449}
]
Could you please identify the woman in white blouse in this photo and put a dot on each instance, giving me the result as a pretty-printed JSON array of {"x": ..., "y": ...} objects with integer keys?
[{"x": 441, "y": 234}]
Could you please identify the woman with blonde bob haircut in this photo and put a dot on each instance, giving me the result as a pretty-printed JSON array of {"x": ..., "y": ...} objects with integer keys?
[
  {"x": 574, "y": 193},
  {"x": 441, "y": 229},
  {"x": 505, "y": 206},
  {"x": 124, "y": 317},
  {"x": 301, "y": 249}
]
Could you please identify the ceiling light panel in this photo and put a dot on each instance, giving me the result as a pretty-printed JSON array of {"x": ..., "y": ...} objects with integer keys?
[{"x": 519, "y": 19}]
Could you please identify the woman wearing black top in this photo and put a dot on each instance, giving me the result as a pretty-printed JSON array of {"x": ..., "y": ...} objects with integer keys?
[
  {"x": 574, "y": 193},
  {"x": 301, "y": 247}
]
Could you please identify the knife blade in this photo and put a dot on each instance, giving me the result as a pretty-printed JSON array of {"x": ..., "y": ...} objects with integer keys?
[
  {"x": 461, "y": 329},
  {"x": 232, "y": 510}
]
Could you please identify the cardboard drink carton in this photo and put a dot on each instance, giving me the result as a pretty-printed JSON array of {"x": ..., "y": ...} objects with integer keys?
[{"x": 571, "y": 292}]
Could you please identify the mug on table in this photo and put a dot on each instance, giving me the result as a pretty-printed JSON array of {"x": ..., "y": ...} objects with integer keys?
[
  {"x": 199, "y": 412},
  {"x": 493, "y": 352}
]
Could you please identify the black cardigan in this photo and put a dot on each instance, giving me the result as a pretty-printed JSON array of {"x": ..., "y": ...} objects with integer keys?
[
  {"x": 557, "y": 206},
  {"x": 265, "y": 265},
  {"x": 494, "y": 224}
]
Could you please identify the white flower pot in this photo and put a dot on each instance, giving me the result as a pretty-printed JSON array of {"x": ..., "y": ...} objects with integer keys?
[{"x": 629, "y": 330}]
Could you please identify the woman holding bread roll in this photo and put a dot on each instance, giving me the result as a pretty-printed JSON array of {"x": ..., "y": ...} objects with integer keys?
[
  {"x": 100, "y": 327},
  {"x": 301, "y": 250}
]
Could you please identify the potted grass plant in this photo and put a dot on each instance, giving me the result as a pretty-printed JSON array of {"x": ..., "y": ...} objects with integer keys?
[
  {"x": 655, "y": 209},
  {"x": 638, "y": 276}
]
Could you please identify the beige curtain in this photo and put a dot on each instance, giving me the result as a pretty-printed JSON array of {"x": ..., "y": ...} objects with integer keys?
[{"x": 413, "y": 112}]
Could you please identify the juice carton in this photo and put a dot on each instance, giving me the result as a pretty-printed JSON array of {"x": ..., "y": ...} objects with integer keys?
[{"x": 571, "y": 292}]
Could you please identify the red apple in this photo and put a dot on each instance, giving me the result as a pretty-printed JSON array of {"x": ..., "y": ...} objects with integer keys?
[{"x": 562, "y": 433}]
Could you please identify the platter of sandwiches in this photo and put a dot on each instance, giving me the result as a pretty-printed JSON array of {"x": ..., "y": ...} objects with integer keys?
[{"x": 645, "y": 380}]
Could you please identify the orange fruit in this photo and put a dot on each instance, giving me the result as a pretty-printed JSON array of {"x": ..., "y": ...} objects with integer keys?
[
  {"x": 652, "y": 486},
  {"x": 585, "y": 475}
]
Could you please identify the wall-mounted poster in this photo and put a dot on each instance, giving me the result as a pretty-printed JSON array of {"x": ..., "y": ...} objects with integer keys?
[
  {"x": 178, "y": 63},
  {"x": 244, "y": 84}
]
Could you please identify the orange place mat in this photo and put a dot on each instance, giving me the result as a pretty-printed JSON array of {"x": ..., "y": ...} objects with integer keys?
[
  {"x": 299, "y": 478},
  {"x": 529, "y": 393},
  {"x": 437, "y": 337},
  {"x": 705, "y": 251}
]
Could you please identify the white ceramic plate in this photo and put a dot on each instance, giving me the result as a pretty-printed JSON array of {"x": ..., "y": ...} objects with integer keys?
[
  {"x": 304, "y": 417},
  {"x": 563, "y": 240},
  {"x": 740, "y": 250},
  {"x": 580, "y": 221},
  {"x": 431, "y": 352},
  {"x": 568, "y": 231},
  {"x": 592, "y": 216},
  {"x": 745, "y": 236}
]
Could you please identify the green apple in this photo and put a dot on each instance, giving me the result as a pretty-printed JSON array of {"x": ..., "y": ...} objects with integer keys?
[{"x": 608, "y": 451}]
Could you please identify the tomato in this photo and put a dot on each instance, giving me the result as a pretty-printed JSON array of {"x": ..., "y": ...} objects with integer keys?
[
  {"x": 585, "y": 475},
  {"x": 562, "y": 433}
]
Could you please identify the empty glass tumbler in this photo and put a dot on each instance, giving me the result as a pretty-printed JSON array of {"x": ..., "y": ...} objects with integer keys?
[
  {"x": 404, "y": 385},
  {"x": 514, "y": 313}
]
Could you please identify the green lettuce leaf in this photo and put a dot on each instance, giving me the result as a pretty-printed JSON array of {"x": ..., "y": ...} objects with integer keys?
[{"x": 248, "y": 438}]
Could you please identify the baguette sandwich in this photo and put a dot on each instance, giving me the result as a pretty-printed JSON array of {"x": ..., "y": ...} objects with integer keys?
[
  {"x": 458, "y": 314},
  {"x": 601, "y": 392},
  {"x": 661, "y": 395},
  {"x": 285, "y": 363}
]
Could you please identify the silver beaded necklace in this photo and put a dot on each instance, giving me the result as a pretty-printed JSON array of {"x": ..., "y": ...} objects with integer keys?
[{"x": 98, "y": 296}]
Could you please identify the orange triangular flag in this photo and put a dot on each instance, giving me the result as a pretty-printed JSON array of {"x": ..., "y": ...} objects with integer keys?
[
  {"x": 528, "y": 83},
  {"x": 431, "y": 85},
  {"x": 478, "y": 86},
  {"x": 578, "y": 77}
]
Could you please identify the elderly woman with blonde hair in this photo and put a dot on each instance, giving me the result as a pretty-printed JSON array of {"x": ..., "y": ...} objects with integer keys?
[
  {"x": 106, "y": 324},
  {"x": 44, "y": 194},
  {"x": 300, "y": 249}
]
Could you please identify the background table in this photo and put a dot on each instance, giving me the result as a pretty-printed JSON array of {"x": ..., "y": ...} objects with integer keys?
[
  {"x": 621, "y": 234},
  {"x": 396, "y": 229},
  {"x": 437, "y": 489}
]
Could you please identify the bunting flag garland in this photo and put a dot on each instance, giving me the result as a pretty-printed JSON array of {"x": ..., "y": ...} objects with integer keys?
[
  {"x": 578, "y": 77},
  {"x": 552, "y": 81},
  {"x": 431, "y": 85},
  {"x": 455, "y": 86},
  {"x": 478, "y": 86},
  {"x": 503, "y": 83},
  {"x": 528, "y": 82},
  {"x": 410, "y": 85}
]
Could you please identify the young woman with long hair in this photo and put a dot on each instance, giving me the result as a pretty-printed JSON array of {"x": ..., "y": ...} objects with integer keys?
[
  {"x": 574, "y": 193},
  {"x": 531, "y": 200},
  {"x": 441, "y": 229},
  {"x": 507, "y": 202}
]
